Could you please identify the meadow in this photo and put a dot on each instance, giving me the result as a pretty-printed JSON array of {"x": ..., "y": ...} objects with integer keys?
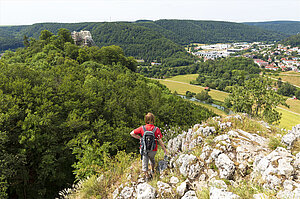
[
  {"x": 291, "y": 77},
  {"x": 180, "y": 84}
]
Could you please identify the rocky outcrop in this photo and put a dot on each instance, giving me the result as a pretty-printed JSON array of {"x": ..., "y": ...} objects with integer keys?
[
  {"x": 290, "y": 138},
  {"x": 206, "y": 157}
]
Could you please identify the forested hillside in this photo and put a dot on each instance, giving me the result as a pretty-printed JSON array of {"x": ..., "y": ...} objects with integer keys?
[
  {"x": 149, "y": 40},
  {"x": 64, "y": 109},
  {"x": 190, "y": 31},
  {"x": 293, "y": 40},
  {"x": 286, "y": 27}
]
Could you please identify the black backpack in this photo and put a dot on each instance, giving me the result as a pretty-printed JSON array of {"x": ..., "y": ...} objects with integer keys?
[{"x": 148, "y": 141}]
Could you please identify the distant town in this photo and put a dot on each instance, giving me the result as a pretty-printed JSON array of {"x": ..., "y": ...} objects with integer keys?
[{"x": 268, "y": 56}]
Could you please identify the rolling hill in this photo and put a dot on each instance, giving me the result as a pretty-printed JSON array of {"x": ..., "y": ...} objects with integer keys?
[
  {"x": 286, "y": 27},
  {"x": 147, "y": 39}
]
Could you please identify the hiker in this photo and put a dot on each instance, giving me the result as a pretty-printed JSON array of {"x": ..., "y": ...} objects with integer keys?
[{"x": 147, "y": 148}]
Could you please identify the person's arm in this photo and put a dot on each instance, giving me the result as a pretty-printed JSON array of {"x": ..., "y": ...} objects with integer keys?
[
  {"x": 135, "y": 135},
  {"x": 161, "y": 143}
]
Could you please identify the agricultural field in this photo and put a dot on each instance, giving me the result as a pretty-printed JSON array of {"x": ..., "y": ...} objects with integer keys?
[
  {"x": 180, "y": 84},
  {"x": 294, "y": 105},
  {"x": 291, "y": 77},
  {"x": 288, "y": 119}
]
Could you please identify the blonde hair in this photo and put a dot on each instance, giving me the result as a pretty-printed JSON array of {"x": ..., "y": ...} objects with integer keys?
[{"x": 149, "y": 118}]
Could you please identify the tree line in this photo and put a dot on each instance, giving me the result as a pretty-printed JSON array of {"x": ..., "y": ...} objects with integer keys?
[{"x": 148, "y": 40}]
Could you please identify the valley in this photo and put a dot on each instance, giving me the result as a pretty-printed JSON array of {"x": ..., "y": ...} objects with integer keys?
[
  {"x": 73, "y": 92},
  {"x": 180, "y": 84}
]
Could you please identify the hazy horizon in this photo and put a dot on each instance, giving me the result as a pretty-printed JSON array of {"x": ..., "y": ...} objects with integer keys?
[
  {"x": 150, "y": 20},
  {"x": 27, "y": 12}
]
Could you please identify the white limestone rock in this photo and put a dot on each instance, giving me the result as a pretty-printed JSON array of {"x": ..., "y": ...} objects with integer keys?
[
  {"x": 254, "y": 137},
  {"x": 215, "y": 193},
  {"x": 184, "y": 162},
  {"x": 211, "y": 173},
  {"x": 272, "y": 182},
  {"x": 205, "y": 152},
  {"x": 222, "y": 137},
  {"x": 190, "y": 195},
  {"x": 174, "y": 180},
  {"x": 278, "y": 162},
  {"x": 232, "y": 133},
  {"x": 182, "y": 188},
  {"x": 145, "y": 191},
  {"x": 215, "y": 153},
  {"x": 208, "y": 131},
  {"x": 291, "y": 136},
  {"x": 127, "y": 192},
  {"x": 288, "y": 185},
  {"x": 285, "y": 194},
  {"x": 225, "y": 165}
]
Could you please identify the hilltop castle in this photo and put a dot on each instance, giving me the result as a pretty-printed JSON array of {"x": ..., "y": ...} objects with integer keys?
[{"x": 83, "y": 38}]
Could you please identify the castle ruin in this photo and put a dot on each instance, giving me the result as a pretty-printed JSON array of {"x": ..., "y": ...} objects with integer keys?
[{"x": 83, "y": 38}]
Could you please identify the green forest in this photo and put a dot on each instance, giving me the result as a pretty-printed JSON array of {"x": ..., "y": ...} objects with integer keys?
[
  {"x": 226, "y": 72},
  {"x": 285, "y": 27},
  {"x": 293, "y": 40},
  {"x": 216, "y": 74},
  {"x": 149, "y": 40},
  {"x": 63, "y": 108}
]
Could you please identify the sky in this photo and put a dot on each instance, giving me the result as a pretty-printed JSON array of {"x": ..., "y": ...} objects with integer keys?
[{"x": 26, "y": 12}]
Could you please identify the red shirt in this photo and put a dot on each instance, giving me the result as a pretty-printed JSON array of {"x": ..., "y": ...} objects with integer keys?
[{"x": 149, "y": 127}]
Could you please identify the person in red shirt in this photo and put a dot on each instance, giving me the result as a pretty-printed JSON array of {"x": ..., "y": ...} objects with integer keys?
[{"x": 138, "y": 134}]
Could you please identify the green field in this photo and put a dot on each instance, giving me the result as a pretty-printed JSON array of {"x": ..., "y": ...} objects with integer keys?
[
  {"x": 184, "y": 78},
  {"x": 180, "y": 84},
  {"x": 294, "y": 105},
  {"x": 291, "y": 77},
  {"x": 288, "y": 119}
]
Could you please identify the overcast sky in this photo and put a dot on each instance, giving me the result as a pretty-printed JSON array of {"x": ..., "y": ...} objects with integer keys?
[{"x": 24, "y": 12}]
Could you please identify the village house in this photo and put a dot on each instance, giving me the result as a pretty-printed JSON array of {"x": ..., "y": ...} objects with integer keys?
[
  {"x": 155, "y": 64},
  {"x": 260, "y": 62}
]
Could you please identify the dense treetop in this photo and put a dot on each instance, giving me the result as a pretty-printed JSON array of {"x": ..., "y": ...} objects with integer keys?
[
  {"x": 62, "y": 107},
  {"x": 286, "y": 27},
  {"x": 293, "y": 40}
]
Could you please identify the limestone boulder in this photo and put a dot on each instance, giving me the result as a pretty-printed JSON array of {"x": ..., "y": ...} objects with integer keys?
[
  {"x": 190, "y": 195},
  {"x": 184, "y": 161},
  {"x": 182, "y": 188},
  {"x": 145, "y": 191},
  {"x": 127, "y": 192},
  {"x": 215, "y": 193},
  {"x": 225, "y": 165},
  {"x": 291, "y": 136}
]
